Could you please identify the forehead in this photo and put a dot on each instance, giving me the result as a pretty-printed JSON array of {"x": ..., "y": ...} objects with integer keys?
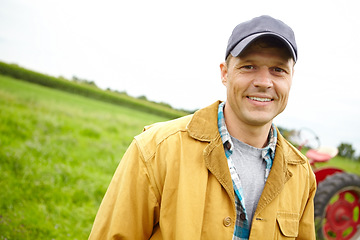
[{"x": 264, "y": 55}]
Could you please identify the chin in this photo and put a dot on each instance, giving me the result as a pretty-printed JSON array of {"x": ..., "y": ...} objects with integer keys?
[{"x": 256, "y": 121}]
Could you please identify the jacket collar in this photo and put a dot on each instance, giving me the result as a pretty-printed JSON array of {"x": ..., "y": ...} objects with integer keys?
[
  {"x": 285, "y": 156},
  {"x": 203, "y": 125}
]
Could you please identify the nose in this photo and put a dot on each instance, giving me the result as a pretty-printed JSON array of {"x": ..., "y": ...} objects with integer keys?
[{"x": 263, "y": 78}]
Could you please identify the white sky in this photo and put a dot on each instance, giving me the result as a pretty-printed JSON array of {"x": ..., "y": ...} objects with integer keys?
[{"x": 170, "y": 51}]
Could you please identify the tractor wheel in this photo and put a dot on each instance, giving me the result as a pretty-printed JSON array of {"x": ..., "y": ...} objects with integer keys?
[{"x": 337, "y": 205}]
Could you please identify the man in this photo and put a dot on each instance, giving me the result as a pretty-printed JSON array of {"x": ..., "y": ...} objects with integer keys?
[{"x": 225, "y": 172}]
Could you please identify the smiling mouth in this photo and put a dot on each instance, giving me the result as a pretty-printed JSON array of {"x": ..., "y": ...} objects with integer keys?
[{"x": 260, "y": 99}]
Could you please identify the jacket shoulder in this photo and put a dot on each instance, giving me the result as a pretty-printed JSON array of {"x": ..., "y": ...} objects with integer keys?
[
  {"x": 293, "y": 154},
  {"x": 156, "y": 133}
]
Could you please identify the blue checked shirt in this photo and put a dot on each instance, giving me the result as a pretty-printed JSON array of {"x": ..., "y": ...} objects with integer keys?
[{"x": 242, "y": 226}]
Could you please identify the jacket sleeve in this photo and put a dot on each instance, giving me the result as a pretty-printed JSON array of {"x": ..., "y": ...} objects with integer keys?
[
  {"x": 129, "y": 209},
  {"x": 306, "y": 225}
]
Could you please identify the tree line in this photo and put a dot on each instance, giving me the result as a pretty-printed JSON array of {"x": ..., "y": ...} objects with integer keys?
[
  {"x": 89, "y": 89},
  {"x": 347, "y": 150}
]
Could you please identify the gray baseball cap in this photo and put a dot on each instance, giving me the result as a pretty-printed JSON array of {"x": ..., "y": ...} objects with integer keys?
[{"x": 246, "y": 32}]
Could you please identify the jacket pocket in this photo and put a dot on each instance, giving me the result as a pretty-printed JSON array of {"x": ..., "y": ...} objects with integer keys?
[{"x": 288, "y": 224}]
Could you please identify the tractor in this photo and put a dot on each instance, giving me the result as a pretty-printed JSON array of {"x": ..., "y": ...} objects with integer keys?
[{"x": 337, "y": 199}]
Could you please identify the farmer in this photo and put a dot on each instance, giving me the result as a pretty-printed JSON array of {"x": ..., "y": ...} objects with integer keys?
[{"x": 224, "y": 172}]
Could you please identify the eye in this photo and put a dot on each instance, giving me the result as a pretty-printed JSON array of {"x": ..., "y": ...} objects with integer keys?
[
  {"x": 279, "y": 70},
  {"x": 248, "y": 67}
]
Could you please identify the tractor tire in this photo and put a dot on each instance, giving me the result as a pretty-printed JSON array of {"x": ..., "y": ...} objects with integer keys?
[{"x": 337, "y": 203}]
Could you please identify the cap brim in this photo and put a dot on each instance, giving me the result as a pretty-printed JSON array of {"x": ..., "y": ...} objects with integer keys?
[{"x": 236, "y": 51}]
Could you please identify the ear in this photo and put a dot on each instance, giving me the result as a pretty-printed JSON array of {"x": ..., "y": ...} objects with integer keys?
[{"x": 224, "y": 71}]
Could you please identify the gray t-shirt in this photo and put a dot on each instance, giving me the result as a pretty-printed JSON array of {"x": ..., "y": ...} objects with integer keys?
[{"x": 250, "y": 166}]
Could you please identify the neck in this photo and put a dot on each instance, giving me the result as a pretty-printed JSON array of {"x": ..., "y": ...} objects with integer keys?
[{"x": 256, "y": 136}]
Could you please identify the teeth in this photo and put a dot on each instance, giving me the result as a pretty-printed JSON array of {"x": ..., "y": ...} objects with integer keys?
[{"x": 260, "y": 99}]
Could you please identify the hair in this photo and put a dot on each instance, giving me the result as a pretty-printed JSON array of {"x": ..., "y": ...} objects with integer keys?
[{"x": 264, "y": 42}]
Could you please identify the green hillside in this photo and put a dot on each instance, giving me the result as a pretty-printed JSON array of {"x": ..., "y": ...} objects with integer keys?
[
  {"x": 58, "y": 152},
  {"x": 89, "y": 89}
]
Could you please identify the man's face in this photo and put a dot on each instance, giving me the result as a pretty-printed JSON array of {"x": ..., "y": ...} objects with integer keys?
[{"x": 258, "y": 84}]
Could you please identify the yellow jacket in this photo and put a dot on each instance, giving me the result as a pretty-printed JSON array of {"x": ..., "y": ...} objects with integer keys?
[{"x": 174, "y": 183}]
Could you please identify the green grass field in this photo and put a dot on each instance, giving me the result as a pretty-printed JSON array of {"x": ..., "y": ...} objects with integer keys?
[
  {"x": 58, "y": 152},
  {"x": 346, "y": 164}
]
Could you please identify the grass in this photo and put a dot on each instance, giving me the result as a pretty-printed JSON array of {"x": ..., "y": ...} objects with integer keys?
[
  {"x": 58, "y": 152},
  {"x": 84, "y": 88},
  {"x": 348, "y": 165}
]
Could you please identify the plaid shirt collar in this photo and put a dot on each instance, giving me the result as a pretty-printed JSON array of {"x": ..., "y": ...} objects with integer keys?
[{"x": 269, "y": 150}]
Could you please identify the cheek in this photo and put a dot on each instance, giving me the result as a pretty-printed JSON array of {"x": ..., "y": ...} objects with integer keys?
[
  {"x": 283, "y": 92},
  {"x": 283, "y": 88},
  {"x": 237, "y": 85},
  {"x": 234, "y": 91}
]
